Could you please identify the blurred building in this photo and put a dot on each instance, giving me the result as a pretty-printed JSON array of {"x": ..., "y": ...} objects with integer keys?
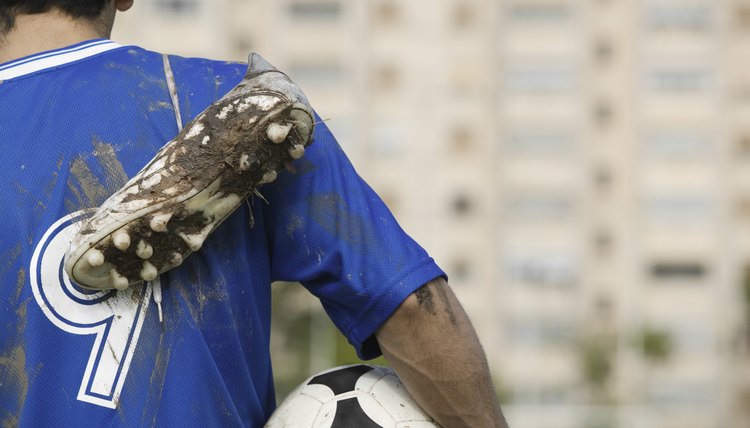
[{"x": 580, "y": 168}]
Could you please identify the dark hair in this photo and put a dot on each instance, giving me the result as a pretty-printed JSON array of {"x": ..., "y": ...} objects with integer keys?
[{"x": 9, "y": 9}]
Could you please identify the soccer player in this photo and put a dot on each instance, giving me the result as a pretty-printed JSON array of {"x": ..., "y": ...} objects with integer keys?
[{"x": 79, "y": 114}]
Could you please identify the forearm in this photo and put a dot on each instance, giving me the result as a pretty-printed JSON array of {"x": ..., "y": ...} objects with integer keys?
[{"x": 431, "y": 344}]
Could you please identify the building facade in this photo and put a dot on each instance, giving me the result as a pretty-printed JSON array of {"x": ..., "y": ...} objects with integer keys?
[{"x": 581, "y": 169}]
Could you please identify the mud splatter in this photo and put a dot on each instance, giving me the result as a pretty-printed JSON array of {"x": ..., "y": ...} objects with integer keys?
[
  {"x": 198, "y": 295},
  {"x": 159, "y": 105},
  {"x": 9, "y": 258},
  {"x": 443, "y": 293},
  {"x": 425, "y": 298},
  {"x": 86, "y": 189},
  {"x": 156, "y": 384},
  {"x": 20, "y": 282},
  {"x": 13, "y": 379},
  {"x": 331, "y": 213},
  {"x": 114, "y": 173}
]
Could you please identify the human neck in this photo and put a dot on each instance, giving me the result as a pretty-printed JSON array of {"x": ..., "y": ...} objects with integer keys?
[{"x": 45, "y": 31}]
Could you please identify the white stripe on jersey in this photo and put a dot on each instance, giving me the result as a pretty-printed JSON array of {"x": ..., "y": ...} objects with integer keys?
[{"x": 54, "y": 58}]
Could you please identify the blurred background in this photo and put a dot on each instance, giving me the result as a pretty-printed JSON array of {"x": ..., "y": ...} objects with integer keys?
[{"x": 580, "y": 168}]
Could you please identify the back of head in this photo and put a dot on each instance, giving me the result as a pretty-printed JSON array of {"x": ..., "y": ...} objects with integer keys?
[{"x": 9, "y": 9}]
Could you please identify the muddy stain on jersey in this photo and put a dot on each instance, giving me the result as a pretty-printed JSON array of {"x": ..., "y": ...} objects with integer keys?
[
  {"x": 159, "y": 373},
  {"x": 114, "y": 173},
  {"x": 85, "y": 188},
  {"x": 14, "y": 379},
  {"x": 332, "y": 213}
]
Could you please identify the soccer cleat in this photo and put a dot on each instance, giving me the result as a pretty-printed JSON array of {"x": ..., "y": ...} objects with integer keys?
[{"x": 194, "y": 182}]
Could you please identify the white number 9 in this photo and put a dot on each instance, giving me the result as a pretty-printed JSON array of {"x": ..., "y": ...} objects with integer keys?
[{"x": 115, "y": 318}]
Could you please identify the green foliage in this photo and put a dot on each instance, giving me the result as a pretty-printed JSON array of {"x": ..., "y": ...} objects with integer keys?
[
  {"x": 596, "y": 357},
  {"x": 290, "y": 339},
  {"x": 656, "y": 345},
  {"x": 294, "y": 309},
  {"x": 345, "y": 353}
]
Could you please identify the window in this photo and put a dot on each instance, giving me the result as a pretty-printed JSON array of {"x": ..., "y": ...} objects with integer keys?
[
  {"x": 668, "y": 394},
  {"x": 542, "y": 268},
  {"x": 689, "y": 337},
  {"x": 315, "y": 10},
  {"x": 679, "y": 207},
  {"x": 462, "y": 205},
  {"x": 540, "y": 207},
  {"x": 534, "y": 142},
  {"x": 679, "y": 17},
  {"x": 540, "y": 78},
  {"x": 676, "y": 144},
  {"x": 669, "y": 270},
  {"x": 538, "y": 332},
  {"x": 679, "y": 80},
  {"x": 539, "y": 13}
]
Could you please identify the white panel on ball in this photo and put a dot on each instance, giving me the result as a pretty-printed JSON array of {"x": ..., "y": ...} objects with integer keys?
[{"x": 357, "y": 396}]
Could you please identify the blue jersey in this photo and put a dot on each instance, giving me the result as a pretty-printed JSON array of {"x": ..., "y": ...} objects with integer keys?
[{"x": 75, "y": 124}]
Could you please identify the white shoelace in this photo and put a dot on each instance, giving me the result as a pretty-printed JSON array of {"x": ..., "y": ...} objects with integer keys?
[{"x": 169, "y": 75}]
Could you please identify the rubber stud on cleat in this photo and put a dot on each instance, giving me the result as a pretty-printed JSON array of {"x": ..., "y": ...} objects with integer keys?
[
  {"x": 159, "y": 221},
  {"x": 95, "y": 258},
  {"x": 278, "y": 132},
  {"x": 194, "y": 242},
  {"x": 297, "y": 151},
  {"x": 269, "y": 177},
  {"x": 144, "y": 250},
  {"x": 117, "y": 281},
  {"x": 121, "y": 240},
  {"x": 244, "y": 162},
  {"x": 175, "y": 259},
  {"x": 149, "y": 272}
]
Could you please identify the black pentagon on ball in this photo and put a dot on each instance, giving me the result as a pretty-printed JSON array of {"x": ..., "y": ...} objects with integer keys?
[
  {"x": 341, "y": 381},
  {"x": 349, "y": 414}
]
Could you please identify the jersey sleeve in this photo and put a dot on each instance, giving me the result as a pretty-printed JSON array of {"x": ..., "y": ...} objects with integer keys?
[{"x": 329, "y": 230}]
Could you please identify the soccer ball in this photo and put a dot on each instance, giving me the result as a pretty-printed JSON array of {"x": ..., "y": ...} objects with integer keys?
[{"x": 358, "y": 396}]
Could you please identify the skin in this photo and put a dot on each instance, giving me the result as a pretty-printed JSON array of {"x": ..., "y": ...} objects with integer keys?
[
  {"x": 431, "y": 344},
  {"x": 429, "y": 340}
]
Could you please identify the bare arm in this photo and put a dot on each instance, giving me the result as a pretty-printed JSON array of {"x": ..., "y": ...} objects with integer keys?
[{"x": 431, "y": 344}]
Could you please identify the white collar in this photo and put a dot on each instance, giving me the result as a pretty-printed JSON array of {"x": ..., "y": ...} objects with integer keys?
[{"x": 55, "y": 58}]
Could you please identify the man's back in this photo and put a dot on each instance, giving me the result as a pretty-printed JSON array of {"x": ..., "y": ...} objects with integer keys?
[
  {"x": 77, "y": 122},
  {"x": 74, "y": 133}
]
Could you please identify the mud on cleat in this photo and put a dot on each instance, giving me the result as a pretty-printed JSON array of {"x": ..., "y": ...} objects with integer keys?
[{"x": 194, "y": 182}]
